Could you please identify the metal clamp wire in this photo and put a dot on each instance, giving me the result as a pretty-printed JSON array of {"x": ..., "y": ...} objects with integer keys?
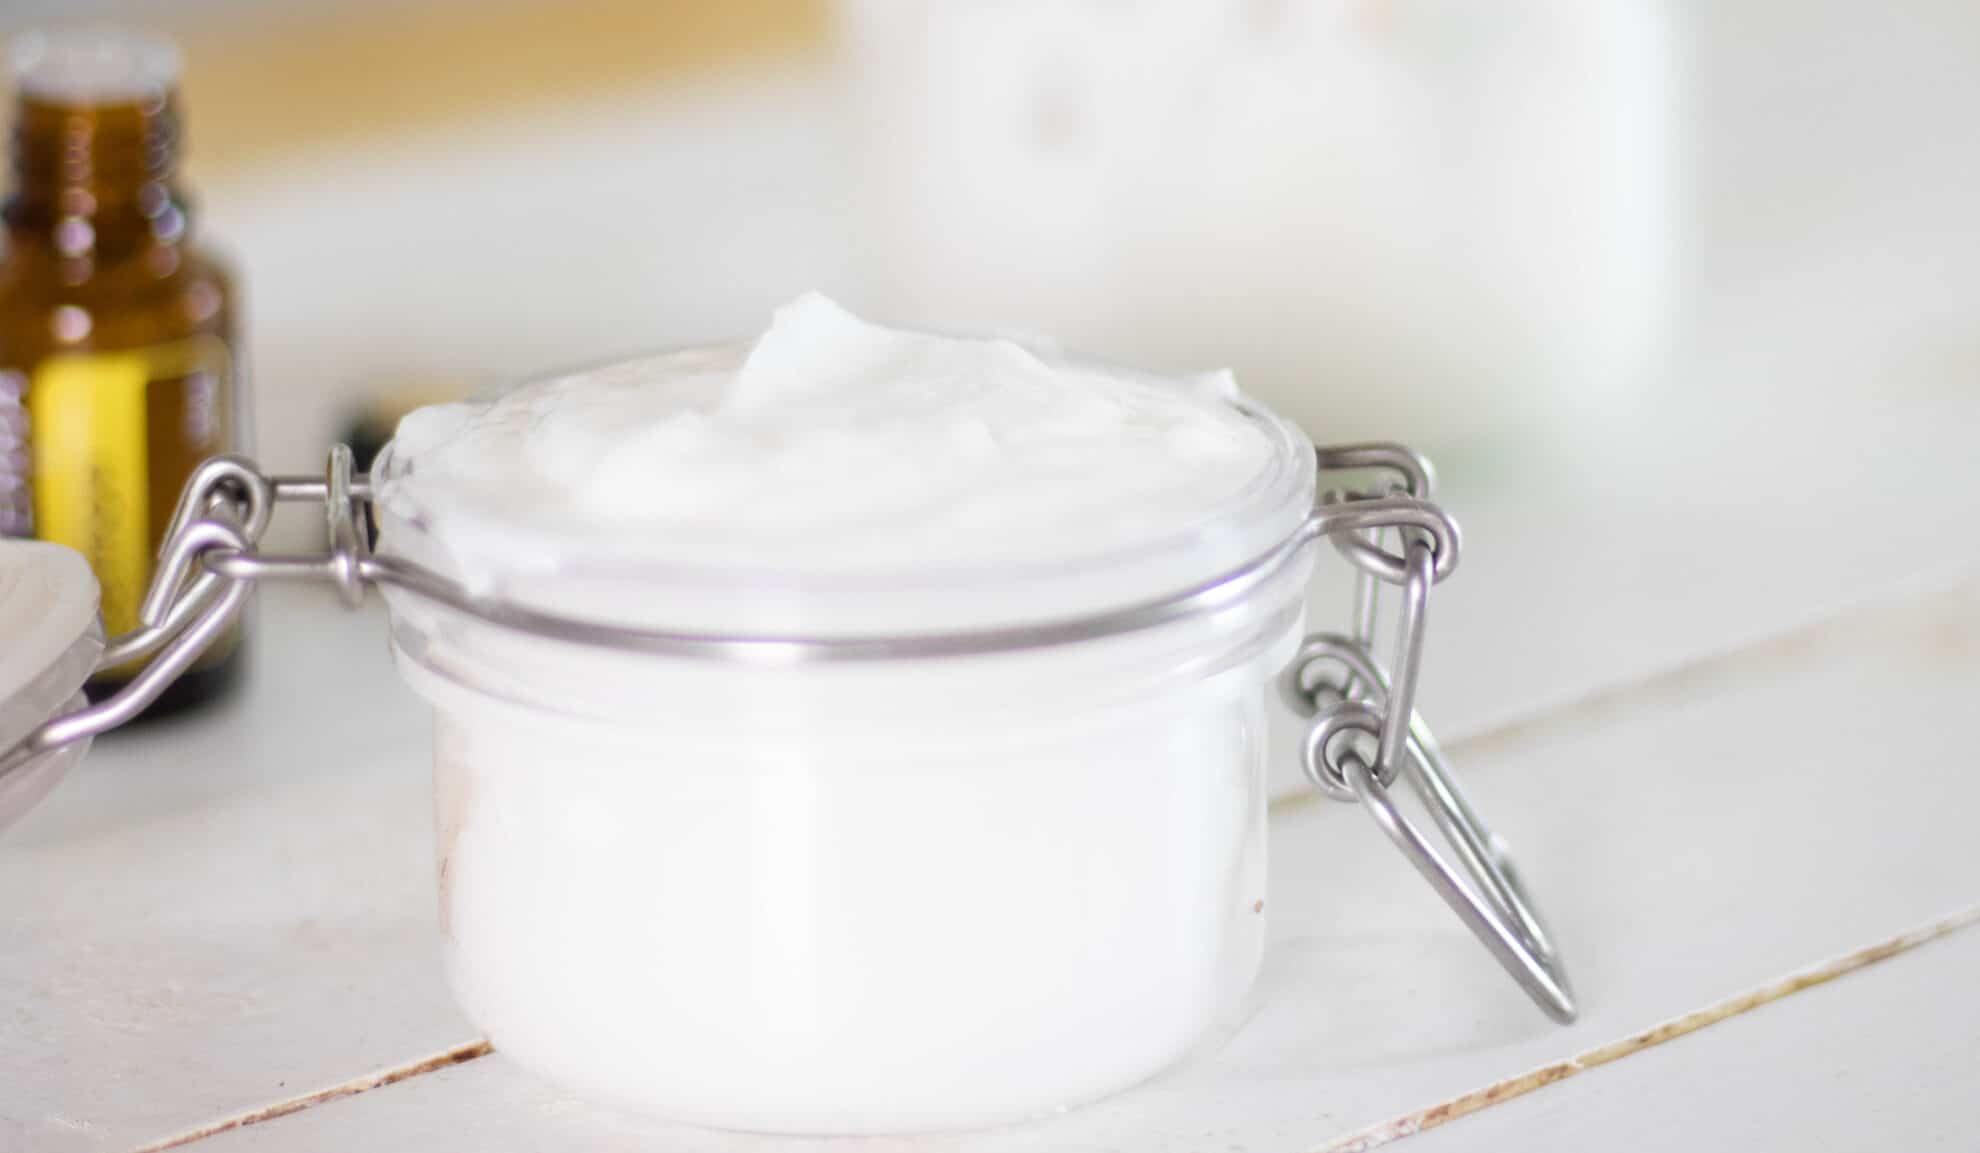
[
  {"x": 1538, "y": 974},
  {"x": 174, "y": 655},
  {"x": 1411, "y": 467},
  {"x": 1367, "y": 555},
  {"x": 1322, "y": 751},
  {"x": 232, "y": 481},
  {"x": 1482, "y": 851},
  {"x": 1409, "y": 657},
  {"x": 351, "y": 553},
  {"x": 146, "y": 639},
  {"x": 343, "y": 523},
  {"x": 1390, "y": 724},
  {"x": 1411, "y": 475},
  {"x": 1503, "y": 918}
]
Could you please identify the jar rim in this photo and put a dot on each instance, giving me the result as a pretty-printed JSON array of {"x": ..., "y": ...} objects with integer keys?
[{"x": 540, "y": 576}]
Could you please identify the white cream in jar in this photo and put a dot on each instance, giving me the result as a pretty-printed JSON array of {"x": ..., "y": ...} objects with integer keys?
[{"x": 898, "y": 894}]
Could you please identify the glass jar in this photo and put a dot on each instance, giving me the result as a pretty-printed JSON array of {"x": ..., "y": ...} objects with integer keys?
[{"x": 865, "y": 896}]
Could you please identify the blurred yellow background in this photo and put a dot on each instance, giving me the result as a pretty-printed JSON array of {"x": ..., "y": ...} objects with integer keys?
[{"x": 269, "y": 79}]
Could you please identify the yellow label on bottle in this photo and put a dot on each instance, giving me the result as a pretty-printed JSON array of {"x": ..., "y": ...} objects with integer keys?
[
  {"x": 94, "y": 458},
  {"x": 91, "y": 469}
]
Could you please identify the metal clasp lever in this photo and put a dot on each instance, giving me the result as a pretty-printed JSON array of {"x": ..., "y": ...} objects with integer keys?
[
  {"x": 206, "y": 567},
  {"x": 1365, "y": 730}
]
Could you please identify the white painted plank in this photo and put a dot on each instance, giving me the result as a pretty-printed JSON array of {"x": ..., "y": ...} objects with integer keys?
[
  {"x": 1691, "y": 840},
  {"x": 220, "y": 910},
  {"x": 1888, "y": 1058}
]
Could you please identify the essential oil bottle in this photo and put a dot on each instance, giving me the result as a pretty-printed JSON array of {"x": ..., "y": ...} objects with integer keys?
[{"x": 118, "y": 365}]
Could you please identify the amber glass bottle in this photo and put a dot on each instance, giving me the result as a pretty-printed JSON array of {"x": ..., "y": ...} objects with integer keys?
[{"x": 118, "y": 370}]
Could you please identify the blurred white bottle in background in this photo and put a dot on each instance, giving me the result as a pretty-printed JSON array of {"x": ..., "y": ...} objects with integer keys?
[{"x": 1419, "y": 218}]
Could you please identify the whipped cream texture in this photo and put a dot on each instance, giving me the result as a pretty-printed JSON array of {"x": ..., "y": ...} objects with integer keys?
[{"x": 832, "y": 445}]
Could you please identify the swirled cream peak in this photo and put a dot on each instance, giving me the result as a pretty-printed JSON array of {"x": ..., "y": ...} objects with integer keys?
[{"x": 828, "y": 445}]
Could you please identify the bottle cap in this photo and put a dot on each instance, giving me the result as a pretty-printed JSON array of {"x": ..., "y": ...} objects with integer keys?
[{"x": 93, "y": 65}]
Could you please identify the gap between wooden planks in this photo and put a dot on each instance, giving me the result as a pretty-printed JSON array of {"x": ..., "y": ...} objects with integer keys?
[{"x": 1419, "y": 1120}]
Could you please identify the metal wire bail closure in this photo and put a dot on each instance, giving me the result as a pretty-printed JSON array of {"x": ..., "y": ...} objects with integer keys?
[
  {"x": 207, "y": 566},
  {"x": 1365, "y": 731}
]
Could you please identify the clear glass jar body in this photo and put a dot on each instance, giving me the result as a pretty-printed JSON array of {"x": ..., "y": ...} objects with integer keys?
[{"x": 878, "y": 897}]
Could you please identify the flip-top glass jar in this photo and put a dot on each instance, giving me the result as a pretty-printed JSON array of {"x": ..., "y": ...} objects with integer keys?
[{"x": 851, "y": 896}]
